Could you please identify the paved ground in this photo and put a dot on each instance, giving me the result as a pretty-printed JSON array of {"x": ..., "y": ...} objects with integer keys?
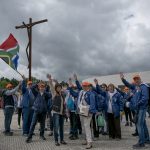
[{"x": 17, "y": 142}]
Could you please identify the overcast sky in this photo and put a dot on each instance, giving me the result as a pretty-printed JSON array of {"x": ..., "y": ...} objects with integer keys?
[{"x": 89, "y": 37}]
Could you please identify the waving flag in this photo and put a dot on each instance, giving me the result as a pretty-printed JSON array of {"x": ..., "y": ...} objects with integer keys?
[{"x": 9, "y": 51}]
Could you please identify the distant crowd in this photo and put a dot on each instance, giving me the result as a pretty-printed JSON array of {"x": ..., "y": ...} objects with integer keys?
[{"x": 89, "y": 107}]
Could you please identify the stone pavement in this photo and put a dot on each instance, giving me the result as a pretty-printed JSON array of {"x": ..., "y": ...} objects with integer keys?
[{"x": 17, "y": 142}]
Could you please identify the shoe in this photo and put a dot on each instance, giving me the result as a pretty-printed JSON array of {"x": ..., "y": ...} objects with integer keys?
[
  {"x": 8, "y": 133},
  {"x": 51, "y": 133},
  {"x": 138, "y": 146},
  {"x": 147, "y": 142},
  {"x": 135, "y": 134},
  {"x": 104, "y": 133},
  {"x": 25, "y": 135},
  {"x": 89, "y": 146},
  {"x": 130, "y": 124},
  {"x": 57, "y": 144},
  {"x": 127, "y": 124},
  {"x": 19, "y": 127},
  {"x": 29, "y": 140},
  {"x": 43, "y": 138},
  {"x": 63, "y": 142},
  {"x": 80, "y": 132},
  {"x": 84, "y": 143}
]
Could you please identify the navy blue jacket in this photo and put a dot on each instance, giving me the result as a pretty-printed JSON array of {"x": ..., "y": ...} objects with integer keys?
[{"x": 42, "y": 103}]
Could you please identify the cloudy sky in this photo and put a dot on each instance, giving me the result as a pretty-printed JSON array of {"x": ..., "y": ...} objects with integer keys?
[{"x": 89, "y": 37}]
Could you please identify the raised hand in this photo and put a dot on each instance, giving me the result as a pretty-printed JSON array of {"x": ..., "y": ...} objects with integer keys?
[
  {"x": 96, "y": 81},
  {"x": 75, "y": 76},
  {"x": 121, "y": 75}
]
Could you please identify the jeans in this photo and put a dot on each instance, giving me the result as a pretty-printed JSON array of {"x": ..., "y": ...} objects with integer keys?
[
  {"x": 27, "y": 119},
  {"x": 58, "y": 122},
  {"x": 50, "y": 120},
  {"x": 38, "y": 117},
  {"x": 142, "y": 127},
  {"x": 8, "y": 113},
  {"x": 95, "y": 127}
]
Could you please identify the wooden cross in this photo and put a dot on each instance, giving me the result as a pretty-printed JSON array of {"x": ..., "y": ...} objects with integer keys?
[{"x": 29, "y": 45}]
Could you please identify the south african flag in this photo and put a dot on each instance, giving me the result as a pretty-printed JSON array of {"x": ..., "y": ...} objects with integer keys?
[{"x": 9, "y": 51}]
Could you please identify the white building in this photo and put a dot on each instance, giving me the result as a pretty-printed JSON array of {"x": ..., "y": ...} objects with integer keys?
[{"x": 115, "y": 79}]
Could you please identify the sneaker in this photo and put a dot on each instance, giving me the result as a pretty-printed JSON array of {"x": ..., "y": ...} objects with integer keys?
[
  {"x": 57, "y": 144},
  {"x": 43, "y": 138},
  {"x": 138, "y": 146},
  {"x": 63, "y": 142},
  {"x": 89, "y": 146},
  {"x": 28, "y": 140},
  {"x": 135, "y": 134},
  {"x": 19, "y": 127}
]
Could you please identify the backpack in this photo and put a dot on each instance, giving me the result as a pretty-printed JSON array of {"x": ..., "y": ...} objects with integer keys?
[{"x": 70, "y": 103}]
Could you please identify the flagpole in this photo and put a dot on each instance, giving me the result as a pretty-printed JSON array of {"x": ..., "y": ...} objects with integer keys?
[{"x": 19, "y": 73}]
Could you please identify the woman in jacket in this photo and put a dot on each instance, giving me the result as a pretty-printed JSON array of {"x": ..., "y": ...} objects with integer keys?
[
  {"x": 114, "y": 105},
  {"x": 58, "y": 111}
]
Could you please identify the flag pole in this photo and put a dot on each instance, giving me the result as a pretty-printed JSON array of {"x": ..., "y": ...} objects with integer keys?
[{"x": 19, "y": 73}]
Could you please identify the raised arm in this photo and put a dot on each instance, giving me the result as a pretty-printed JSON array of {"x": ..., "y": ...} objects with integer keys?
[
  {"x": 77, "y": 83},
  {"x": 50, "y": 83},
  {"x": 126, "y": 83},
  {"x": 98, "y": 89},
  {"x": 13, "y": 91}
]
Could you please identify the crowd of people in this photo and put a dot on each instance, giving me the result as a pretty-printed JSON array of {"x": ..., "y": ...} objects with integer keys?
[{"x": 89, "y": 107}]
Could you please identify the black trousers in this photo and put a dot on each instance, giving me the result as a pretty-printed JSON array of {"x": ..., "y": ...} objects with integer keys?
[
  {"x": 95, "y": 127},
  {"x": 128, "y": 114},
  {"x": 79, "y": 125},
  {"x": 114, "y": 126},
  {"x": 19, "y": 115},
  {"x": 73, "y": 123}
]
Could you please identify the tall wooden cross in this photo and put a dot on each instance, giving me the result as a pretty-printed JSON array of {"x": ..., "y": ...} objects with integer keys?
[{"x": 29, "y": 45}]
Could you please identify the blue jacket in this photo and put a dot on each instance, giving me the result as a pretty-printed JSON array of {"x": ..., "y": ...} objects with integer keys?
[
  {"x": 42, "y": 103},
  {"x": 28, "y": 98},
  {"x": 90, "y": 97},
  {"x": 117, "y": 101},
  {"x": 133, "y": 101},
  {"x": 100, "y": 103},
  {"x": 143, "y": 97}
]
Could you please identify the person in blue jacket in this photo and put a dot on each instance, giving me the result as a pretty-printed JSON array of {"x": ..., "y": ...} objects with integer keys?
[
  {"x": 87, "y": 97},
  {"x": 127, "y": 96},
  {"x": 134, "y": 91},
  {"x": 141, "y": 104},
  {"x": 114, "y": 104},
  {"x": 29, "y": 94},
  {"x": 41, "y": 106}
]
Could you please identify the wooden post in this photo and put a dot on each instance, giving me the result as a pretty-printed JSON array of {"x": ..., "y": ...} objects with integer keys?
[{"x": 29, "y": 45}]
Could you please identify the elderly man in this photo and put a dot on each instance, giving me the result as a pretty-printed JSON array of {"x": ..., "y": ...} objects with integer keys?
[{"x": 141, "y": 104}]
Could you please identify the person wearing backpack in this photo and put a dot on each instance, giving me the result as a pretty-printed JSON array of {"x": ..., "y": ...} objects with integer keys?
[
  {"x": 9, "y": 106},
  {"x": 72, "y": 113},
  {"x": 141, "y": 107}
]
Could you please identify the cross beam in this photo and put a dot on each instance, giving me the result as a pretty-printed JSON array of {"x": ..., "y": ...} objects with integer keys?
[{"x": 29, "y": 45}]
